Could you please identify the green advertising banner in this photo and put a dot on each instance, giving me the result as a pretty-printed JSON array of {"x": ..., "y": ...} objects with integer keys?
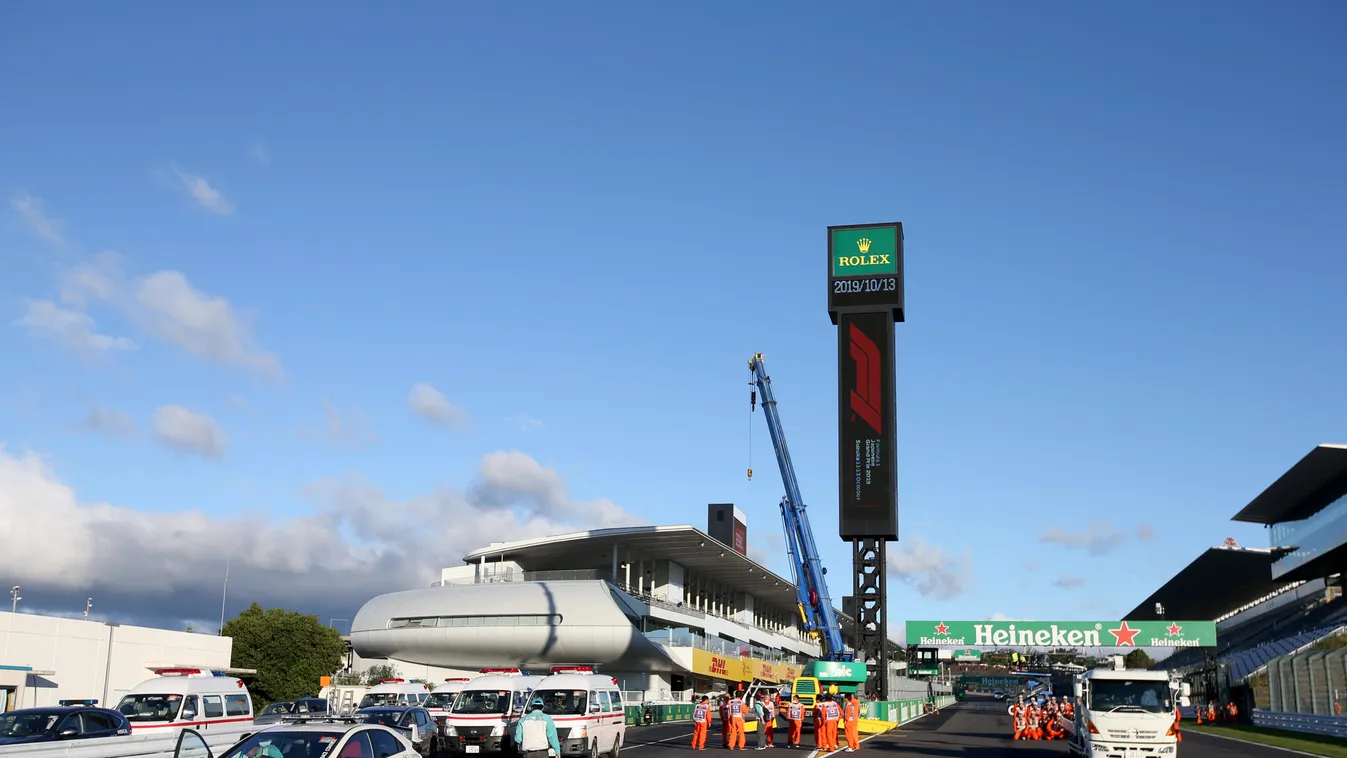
[
  {"x": 967, "y": 655},
  {"x": 1065, "y": 634},
  {"x": 871, "y": 250}
]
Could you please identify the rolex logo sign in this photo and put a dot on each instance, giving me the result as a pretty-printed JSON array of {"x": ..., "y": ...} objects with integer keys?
[{"x": 864, "y": 252}]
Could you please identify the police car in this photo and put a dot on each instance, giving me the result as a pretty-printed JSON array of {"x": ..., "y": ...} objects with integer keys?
[{"x": 324, "y": 737}]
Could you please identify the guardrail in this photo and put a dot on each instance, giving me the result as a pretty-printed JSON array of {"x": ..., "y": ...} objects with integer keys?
[
  {"x": 131, "y": 745},
  {"x": 1333, "y": 726}
]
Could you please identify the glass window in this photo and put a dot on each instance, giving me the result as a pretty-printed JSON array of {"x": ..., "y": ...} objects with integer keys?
[
  {"x": 602, "y": 701},
  {"x": 385, "y": 744},
  {"x": 563, "y": 702},
  {"x": 482, "y": 701},
  {"x": 213, "y": 706},
  {"x": 615, "y": 700},
  {"x": 358, "y": 746},
  {"x": 98, "y": 722},
  {"x": 1311, "y": 537},
  {"x": 237, "y": 705},
  {"x": 270, "y": 744},
  {"x": 1115, "y": 694},
  {"x": 141, "y": 708}
]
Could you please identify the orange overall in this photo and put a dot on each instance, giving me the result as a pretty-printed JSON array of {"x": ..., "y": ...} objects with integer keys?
[
  {"x": 795, "y": 718},
  {"x": 1178, "y": 716},
  {"x": 820, "y": 730},
  {"x": 768, "y": 721},
  {"x": 851, "y": 719},
  {"x": 738, "y": 740},
  {"x": 725, "y": 722},
  {"x": 701, "y": 721},
  {"x": 831, "y": 715}
]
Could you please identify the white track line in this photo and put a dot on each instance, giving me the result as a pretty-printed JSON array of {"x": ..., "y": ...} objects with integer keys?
[{"x": 656, "y": 742}]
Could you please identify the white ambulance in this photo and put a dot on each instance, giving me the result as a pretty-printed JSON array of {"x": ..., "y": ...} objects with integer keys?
[
  {"x": 587, "y": 708},
  {"x": 200, "y": 698},
  {"x": 395, "y": 692},
  {"x": 484, "y": 712},
  {"x": 442, "y": 699}
]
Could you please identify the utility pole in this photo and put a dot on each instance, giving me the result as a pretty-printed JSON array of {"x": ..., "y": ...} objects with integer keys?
[
  {"x": 14, "y": 599},
  {"x": 224, "y": 595},
  {"x": 87, "y": 605}
]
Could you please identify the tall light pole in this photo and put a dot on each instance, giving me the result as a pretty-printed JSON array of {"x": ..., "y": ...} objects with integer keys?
[
  {"x": 87, "y": 605},
  {"x": 224, "y": 595},
  {"x": 14, "y": 599}
]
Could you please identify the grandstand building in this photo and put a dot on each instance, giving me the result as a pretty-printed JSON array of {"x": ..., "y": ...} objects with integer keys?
[
  {"x": 1278, "y": 609},
  {"x": 666, "y": 609}
]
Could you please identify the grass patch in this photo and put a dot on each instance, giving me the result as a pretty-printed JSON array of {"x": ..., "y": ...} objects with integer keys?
[{"x": 1317, "y": 744}]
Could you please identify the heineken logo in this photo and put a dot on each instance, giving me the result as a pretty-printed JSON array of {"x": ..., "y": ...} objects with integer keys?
[{"x": 1040, "y": 634}]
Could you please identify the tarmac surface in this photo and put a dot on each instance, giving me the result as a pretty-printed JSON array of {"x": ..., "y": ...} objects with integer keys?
[{"x": 975, "y": 728}]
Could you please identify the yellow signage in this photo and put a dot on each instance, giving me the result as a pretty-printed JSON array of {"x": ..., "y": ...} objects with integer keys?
[{"x": 741, "y": 669}]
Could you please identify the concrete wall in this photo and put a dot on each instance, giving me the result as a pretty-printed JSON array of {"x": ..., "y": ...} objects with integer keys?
[{"x": 77, "y": 651}]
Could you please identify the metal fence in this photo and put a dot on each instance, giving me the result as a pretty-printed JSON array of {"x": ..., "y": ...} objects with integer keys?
[
  {"x": 1311, "y": 682},
  {"x": 1333, "y": 726}
]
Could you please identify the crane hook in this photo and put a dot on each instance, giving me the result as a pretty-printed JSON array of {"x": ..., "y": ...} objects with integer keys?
[{"x": 750, "y": 473}]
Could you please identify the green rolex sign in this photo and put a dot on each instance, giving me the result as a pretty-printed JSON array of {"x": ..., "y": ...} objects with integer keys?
[
  {"x": 1062, "y": 633},
  {"x": 864, "y": 251}
]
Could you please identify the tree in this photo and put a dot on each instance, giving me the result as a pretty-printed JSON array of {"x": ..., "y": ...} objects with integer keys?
[
  {"x": 190, "y": 629},
  {"x": 290, "y": 651},
  {"x": 1138, "y": 659},
  {"x": 379, "y": 672}
]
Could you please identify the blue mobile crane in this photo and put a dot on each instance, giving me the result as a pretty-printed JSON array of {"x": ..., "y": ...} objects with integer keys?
[{"x": 811, "y": 590}]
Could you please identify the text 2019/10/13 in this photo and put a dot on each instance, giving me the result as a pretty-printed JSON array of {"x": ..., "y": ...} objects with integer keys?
[{"x": 879, "y": 284}]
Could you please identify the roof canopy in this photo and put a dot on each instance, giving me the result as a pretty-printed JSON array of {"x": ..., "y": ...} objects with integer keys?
[
  {"x": 1219, "y": 581},
  {"x": 685, "y": 545},
  {"x": 1302, "y": 490}
]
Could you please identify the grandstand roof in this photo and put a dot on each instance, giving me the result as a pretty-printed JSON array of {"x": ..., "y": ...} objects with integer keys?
[
  {"x": 685, "y": 545},
  {"x": 1298, "y": 492},
  {"x": 1219, "y": 581}
]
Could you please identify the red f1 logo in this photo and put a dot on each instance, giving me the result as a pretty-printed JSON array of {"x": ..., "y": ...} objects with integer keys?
[{"x": 867, "y": 399}]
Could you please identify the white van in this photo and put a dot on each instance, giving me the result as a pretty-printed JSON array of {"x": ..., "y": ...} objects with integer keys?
[
  {"x": 395, "y": 692},
  {"x": 587, "y": 709},
  {"x": 187, "y": 697},
  {"x": 485, "y": 710},
  {"x": 442, "y": 699}
]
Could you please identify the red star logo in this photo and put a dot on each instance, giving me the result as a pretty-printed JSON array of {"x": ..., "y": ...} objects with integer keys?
[
  {"x": 1124, "y": 635},
  {"x": 941, "y": 629},
  {"x": 1174, "y": 629}
]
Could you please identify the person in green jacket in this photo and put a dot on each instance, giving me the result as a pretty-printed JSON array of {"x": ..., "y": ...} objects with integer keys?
[{"x": 536, "y": 733}]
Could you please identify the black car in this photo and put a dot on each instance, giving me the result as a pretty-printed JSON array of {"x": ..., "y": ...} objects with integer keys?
[
  {"x": 276, "y": 712},
  {"x": 425, "y": 738},
  {"x": 66, "y": 723}
]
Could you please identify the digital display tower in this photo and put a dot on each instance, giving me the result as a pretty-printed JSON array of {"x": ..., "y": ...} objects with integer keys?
[{"x": 865, "y": 300}]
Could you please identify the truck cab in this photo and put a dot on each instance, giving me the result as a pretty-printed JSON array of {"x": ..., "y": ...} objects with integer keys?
[{"x": 1122, "y": 713}]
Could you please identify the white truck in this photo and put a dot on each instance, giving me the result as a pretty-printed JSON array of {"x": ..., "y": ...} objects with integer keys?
[{"x": 1122, "y": 713}]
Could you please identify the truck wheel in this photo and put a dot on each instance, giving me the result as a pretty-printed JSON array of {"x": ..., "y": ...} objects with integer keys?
[
  {"x": 617, "y": 747},
  {"x": 594, "y": 749}
]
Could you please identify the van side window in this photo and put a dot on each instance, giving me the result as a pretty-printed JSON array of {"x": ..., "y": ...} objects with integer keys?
[
  {"x": 214, "y": 706},
  {"x": 190, "y": 709},
  {"x": 521, "y": 700},
  {"x": 236, "y": 705},
  {"x": 615, "y": 698},
  {"x": 603, "y": 701}
]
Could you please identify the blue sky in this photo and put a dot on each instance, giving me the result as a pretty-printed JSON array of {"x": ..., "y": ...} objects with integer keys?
[{"x": 576, "y": 223}]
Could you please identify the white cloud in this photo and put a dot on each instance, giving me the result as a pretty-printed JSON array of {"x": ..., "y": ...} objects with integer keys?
[
  {"x": 934, "y": 573},
  {"x": 107, "y": 421},
  {"x": 508, "y": 478},
  {"x": 166, "y": 305},
  {"x": 240, "y": 402},
  {"x": 186, "y": 431},
  {"x": 72, "y": 328},
  {"x": 352, "y": 428},
  {"x": 169, "y": 565},
  {"x": 999, "y": 616},
  {"x": 258, "y": 153},
  {"x": 526, "y": 423},
  {"x": 1100, "y": 538},
  {"x": 203, "y": 193},
  {"x": 431, "y": 405},
  {"x": 1145, "y": 533},
  {"x": 44, "y": 226},
  {"x": 1068, "y": 582}
]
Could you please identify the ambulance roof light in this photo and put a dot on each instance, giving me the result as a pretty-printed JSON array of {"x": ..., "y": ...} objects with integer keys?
[
  {"x": 499, "y": 671},
  {"x": 572, "y": 669},
  {"x": 458, "y": 679},
  {"x": 393, "y": 681}
]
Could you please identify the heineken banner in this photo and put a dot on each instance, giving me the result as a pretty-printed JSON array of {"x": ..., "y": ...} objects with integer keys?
[
  {"x": 967, "y": 655},
  {"x": 1066, "y": 634}
]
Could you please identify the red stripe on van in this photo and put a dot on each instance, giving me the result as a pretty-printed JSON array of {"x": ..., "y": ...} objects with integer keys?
[{"x": 180, "y": 724}]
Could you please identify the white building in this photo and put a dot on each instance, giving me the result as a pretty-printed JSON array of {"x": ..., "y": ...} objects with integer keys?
[{"x": 44, "y": 659}]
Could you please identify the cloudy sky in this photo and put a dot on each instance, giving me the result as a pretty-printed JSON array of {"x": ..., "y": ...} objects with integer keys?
[{"x": 334, "y": 298}]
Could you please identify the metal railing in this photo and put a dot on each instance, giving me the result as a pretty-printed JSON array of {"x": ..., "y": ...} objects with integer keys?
[{"x": 1333, "y": 726}]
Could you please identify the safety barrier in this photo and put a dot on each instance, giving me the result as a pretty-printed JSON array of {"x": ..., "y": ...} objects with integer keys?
[
  {"x": 1333, "y": 726},
  {"x": 131, "y": 745}
]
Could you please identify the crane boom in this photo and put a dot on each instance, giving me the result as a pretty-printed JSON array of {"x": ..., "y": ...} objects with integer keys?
[{"x": 811, "y": 589}]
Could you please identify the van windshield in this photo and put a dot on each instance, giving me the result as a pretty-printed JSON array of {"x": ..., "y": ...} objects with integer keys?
[
  {"x": 562, "y": 702},
  {"x": 150, "y": 707},
  {"x": 444, "y": 700},
  {"x": 482, "y": 701},
  {"x": 1116, "y": 694},
  {"x": 380, "y": 698}
]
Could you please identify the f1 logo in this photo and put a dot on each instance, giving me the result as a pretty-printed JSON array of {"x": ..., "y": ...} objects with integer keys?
[{"x": 867, "y": 397}]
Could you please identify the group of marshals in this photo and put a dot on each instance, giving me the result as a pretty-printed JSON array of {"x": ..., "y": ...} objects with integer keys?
[
  {"x": 827, "y": 716},
  {"x": 1030, "y": 721}
]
